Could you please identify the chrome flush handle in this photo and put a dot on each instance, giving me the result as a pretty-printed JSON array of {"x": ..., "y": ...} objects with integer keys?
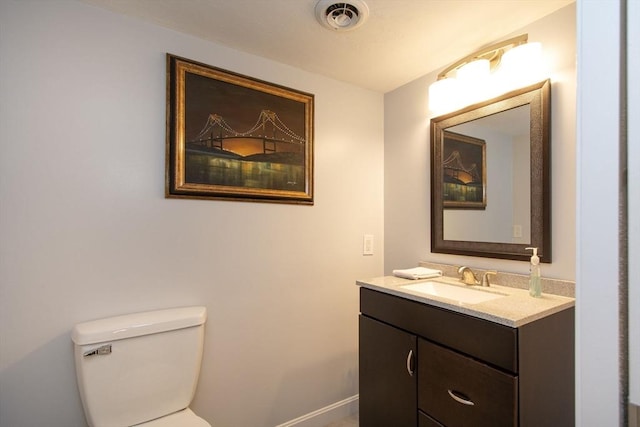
[{"x": 100, "y": 351}]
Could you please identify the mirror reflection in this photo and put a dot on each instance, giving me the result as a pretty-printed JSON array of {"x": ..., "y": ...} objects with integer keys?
[
  {"x": 490, "y": 182},
  {"x": 505, "y": 213}
]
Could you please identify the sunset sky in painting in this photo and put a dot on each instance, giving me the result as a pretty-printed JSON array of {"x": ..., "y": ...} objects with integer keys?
[{"x": 248, "y": 146}]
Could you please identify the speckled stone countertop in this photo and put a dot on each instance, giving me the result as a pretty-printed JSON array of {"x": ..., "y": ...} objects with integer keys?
[{"x": 515, "y": 309}]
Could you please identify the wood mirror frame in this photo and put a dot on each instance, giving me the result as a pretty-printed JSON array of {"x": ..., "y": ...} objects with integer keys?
[{"x": 538, "y": 97}]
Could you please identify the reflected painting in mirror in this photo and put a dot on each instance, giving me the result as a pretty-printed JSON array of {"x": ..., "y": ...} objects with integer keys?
[{"x": 463, "y": 169}]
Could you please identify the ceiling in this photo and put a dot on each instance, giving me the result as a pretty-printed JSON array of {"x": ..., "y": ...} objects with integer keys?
[{"x": 401, "y": 40}]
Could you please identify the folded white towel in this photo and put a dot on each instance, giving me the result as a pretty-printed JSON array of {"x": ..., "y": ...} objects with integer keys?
[{"x": 417, "y": 273}]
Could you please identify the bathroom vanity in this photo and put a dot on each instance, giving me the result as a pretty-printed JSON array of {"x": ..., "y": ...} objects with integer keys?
[{"x": 431, "y": 361}]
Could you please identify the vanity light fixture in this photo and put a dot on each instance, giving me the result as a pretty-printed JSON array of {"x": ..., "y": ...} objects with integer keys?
[{"x": 487, "y": 73}]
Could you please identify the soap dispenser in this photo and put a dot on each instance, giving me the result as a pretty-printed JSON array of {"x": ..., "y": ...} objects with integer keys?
[{"x": 535, "y": 289}]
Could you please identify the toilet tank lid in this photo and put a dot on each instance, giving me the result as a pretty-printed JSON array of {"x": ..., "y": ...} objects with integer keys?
[{"x": 137, "y": 324}]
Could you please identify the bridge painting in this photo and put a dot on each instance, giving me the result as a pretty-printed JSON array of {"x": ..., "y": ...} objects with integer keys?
[
  {"x": 241, "y": 138},
  {"x": 268, "y": 155},
  {"x": 464, "y": 169}
]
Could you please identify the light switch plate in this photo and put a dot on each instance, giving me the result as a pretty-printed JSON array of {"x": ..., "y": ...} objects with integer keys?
[{"x": 367, "y": 244}]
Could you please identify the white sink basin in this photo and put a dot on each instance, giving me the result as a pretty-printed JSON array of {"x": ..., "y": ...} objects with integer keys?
[{"x": 452, "y": 292}]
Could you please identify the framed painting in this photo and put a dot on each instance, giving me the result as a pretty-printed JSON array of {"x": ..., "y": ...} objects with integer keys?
[
  {"x": 233, "y": 137},
  {"x": 464, "y": 167}
]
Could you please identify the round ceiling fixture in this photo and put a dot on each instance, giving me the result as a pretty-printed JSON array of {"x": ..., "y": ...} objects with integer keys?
[{"x": 341, "y": 16}]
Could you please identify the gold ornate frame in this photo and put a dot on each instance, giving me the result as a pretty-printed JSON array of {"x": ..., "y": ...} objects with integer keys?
[{"x": 233, "y": 137}]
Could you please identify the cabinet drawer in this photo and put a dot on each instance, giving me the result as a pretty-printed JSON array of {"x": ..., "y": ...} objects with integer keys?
[
  {"x": 459, "y": 391},
  {"x": 496, "y": 344},
  {"x": 426, "y": 421}
]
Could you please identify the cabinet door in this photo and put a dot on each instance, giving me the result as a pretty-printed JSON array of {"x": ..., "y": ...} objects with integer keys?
[{"x": 387, "y": 376}]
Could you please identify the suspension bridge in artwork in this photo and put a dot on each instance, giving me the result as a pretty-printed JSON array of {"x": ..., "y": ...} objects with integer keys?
[
  {"x": 268, "y": 128},
  {"x": 454, "y": 168}
]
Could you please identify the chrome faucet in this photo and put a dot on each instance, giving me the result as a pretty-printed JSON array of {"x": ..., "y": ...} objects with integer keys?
[
  {"x": 485, "y": 277},
  {"x": 467, "y": 277}
]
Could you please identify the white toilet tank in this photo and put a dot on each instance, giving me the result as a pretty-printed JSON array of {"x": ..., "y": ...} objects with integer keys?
[{"x": 138, "y": 367}]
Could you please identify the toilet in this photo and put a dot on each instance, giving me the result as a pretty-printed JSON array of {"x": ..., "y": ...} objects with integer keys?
[{"x": 140, "y": 369}]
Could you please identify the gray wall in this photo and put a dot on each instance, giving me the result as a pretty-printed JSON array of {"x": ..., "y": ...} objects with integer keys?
[{"x": 87, "y": 233}]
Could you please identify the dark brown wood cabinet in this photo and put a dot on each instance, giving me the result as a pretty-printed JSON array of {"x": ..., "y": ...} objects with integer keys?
[
  {"x": 426, "y": 366},
  {"x": 387, "y": 375}
]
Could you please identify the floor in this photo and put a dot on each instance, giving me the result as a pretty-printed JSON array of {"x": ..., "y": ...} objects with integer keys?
[{"x": 351, "y": 421}]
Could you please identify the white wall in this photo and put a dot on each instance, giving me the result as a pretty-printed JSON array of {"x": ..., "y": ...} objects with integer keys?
[
  {"x": 407, "y": 168},
  {"x": 597, "y": 294},
  {"x": 87, "y": 233}
]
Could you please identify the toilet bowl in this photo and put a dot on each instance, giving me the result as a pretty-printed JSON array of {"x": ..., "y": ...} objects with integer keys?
[{"x": 140, "y": 369}]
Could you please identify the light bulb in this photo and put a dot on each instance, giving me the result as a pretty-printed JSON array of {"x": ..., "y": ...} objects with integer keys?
[
  {"x": 522, "y": 65},
  {"x": 444, "y": 95},
  {"x": 474, "y": 78}
]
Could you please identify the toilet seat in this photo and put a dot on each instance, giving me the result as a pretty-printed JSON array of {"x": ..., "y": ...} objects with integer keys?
[{"x": 184, "y": 418}]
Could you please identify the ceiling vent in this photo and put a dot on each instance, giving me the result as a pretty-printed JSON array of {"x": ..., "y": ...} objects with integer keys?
[{"x": 341, "y": 16}]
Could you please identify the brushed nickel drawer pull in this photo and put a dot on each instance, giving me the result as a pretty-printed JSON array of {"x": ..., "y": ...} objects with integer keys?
[
  {"x": 409, "y": 359},
  {"x": 460, "y": 398}
]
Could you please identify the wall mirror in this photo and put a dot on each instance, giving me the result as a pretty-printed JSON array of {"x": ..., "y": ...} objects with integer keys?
[{"x": 490, "y": 177}]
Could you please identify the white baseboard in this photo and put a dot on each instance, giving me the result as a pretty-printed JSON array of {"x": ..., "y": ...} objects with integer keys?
[{"x": 326, "y": 415}]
